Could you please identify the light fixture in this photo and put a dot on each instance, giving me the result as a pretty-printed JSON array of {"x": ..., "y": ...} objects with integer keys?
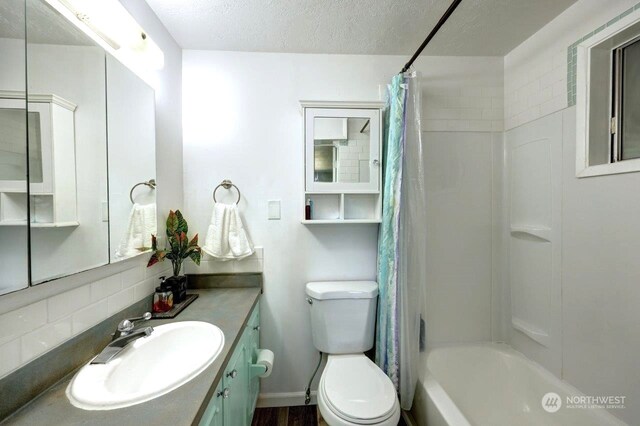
[{"x": 110, "y": 24}]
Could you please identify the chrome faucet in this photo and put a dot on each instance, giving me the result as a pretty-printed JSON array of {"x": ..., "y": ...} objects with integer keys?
[
  {"x": 124, "y": 335},
  {"x": 126, "y": 326}
]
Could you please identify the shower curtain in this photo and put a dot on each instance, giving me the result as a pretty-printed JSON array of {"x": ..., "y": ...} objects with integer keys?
[{"x": 402, "y": 239}]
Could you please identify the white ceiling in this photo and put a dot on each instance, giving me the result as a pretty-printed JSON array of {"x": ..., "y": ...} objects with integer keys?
[
  {"x": 477, "y": 28},
  {"x": 45, "y": 25}
]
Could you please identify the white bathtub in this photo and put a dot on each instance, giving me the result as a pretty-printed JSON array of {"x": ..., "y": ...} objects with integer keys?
[{"x": 493, "y": 385}]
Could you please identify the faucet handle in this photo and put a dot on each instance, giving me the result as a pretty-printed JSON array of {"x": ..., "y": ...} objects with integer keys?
[{"x": 127, "y": 325}]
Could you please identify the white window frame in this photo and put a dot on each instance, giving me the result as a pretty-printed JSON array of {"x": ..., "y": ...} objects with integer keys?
[{"x": 583, "y": 77}]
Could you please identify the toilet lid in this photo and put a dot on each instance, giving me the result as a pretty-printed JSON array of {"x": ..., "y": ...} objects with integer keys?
[{"x": 357, "y": 389}]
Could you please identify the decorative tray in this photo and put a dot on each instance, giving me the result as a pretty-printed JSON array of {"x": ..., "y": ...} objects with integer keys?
[{"x": 177, "y": 308}]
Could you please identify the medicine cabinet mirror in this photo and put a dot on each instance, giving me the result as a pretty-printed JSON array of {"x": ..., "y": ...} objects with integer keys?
[
  {"x": 67, "y": 197},
  {"x": 132, "y": 162},
  {"x": 69, "y": 154},
  {"x": 13, "y": 149},
  {"x": 342, "y": 161}
]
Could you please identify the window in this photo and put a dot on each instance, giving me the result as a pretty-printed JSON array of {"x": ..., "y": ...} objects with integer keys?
[
  {"x": 625, "y": 120},
  {"x": 608, "y": 100}
]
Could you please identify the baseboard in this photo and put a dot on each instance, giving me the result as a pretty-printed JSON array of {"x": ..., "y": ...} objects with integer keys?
[{"x": 283, "y": 399}]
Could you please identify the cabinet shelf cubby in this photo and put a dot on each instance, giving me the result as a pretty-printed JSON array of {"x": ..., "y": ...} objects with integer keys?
[{"x": 330, "y": 208}]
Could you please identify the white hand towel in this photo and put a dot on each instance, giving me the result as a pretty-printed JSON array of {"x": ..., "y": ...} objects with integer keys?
[
  {"x": 142, "y": 224},
  {"x": 226, "y": 237}
]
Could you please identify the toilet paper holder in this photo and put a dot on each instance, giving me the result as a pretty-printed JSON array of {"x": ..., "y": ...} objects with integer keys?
[
  {"x": 263, "y": 365},
  {"x": 258, "y": 369}
]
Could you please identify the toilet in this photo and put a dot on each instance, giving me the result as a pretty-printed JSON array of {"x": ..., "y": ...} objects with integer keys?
[{"x": 353, "y": 390}]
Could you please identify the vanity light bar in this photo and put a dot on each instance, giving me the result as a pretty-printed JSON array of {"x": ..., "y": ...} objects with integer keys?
[{"x": 110, "y": 25}]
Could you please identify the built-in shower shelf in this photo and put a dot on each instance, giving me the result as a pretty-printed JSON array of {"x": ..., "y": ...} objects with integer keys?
[
  {"x": 535, "y": 333},
  {"x": 542, "y": 233}
]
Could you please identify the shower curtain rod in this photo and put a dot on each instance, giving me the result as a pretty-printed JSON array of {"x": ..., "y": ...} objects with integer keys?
[{"x": 433, "y": 32}]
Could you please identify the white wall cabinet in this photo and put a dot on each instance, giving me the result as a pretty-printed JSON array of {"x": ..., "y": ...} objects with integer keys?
[
  {"x": 343, "y": 162},
  {"x": 52, "y": 191}
]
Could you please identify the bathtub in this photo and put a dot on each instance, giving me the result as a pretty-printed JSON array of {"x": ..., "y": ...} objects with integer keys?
[{"x": 494, "y": 385}]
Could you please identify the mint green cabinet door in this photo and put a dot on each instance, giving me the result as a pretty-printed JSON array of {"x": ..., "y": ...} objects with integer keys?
[
  {"x": 235, "y": 383},
  {"x": 213, "y": 414},
  {"x": 253, "y": 344}
]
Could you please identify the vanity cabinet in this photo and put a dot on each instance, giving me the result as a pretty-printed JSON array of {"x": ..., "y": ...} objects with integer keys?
[
  {"x": 236, "y": 395},
  {"x": 236, "y": 387},
  {"x": 213, "y": 415}
]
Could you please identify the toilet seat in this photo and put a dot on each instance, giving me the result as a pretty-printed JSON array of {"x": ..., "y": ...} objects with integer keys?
[{"x": 355, "y": 391}]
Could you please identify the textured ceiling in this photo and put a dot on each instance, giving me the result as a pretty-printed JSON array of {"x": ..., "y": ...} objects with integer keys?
[
  {"x": 478, "y": 27},
  {"x": 45, "y": 25}
]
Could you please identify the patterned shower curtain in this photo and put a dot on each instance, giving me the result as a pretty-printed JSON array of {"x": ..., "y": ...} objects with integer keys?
[
  {"x": 387, "y": 339},
  {"x": 402, "y": 239}
]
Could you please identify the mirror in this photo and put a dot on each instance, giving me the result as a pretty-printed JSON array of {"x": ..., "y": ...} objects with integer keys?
[
  {"x": 13, "y": 149},
  {"x": 68, "y": 187},
  {"x": 341, "y": 149},
  {"x": 84, "y": 141},
  {"x": 132, "y": 162}
]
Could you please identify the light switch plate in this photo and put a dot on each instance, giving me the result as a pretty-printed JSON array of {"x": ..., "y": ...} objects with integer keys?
[{"x": 273, "y": 209}]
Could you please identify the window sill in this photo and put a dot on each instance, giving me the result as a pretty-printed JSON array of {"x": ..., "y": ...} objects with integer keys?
[{"x": 627, "y": 166}]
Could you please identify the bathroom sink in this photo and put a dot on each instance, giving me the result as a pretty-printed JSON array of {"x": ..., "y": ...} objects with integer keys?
[{"x": 148, "y": 367}]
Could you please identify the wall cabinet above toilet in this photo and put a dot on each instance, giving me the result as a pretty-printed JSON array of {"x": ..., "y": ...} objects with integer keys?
[
  {"x": 51, "y": 157},
  {"x": 343, "y": 161}
]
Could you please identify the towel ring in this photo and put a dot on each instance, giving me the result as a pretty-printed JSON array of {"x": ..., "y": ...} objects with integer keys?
[
  {"x": 226, "y": 184},
  {"x": 151, "y": 183}
]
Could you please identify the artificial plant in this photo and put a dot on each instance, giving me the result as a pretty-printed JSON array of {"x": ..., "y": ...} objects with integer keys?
[{"x": 180, "y": 248}]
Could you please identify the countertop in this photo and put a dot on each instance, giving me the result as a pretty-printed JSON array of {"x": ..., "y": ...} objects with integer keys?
[{"x": 228, "y": 308}]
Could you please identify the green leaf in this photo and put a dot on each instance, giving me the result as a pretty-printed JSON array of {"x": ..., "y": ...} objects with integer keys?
[
  {"x": 182, "y": 223},
  {"x": 172, "y": 223},
  {"x": 194, "y": 241},
  {"x": 195, "y": 256}
]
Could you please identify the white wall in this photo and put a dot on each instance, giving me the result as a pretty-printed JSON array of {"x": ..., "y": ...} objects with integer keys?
[
  {"x": 242, "y": 121},
  {"x": 78, "y": 301},
  {"x": 459, "y": 216},
  {"x": 600, "y": 234}
]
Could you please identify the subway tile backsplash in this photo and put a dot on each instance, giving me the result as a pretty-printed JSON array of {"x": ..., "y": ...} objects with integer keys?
[{"x": 32, "y": 330}]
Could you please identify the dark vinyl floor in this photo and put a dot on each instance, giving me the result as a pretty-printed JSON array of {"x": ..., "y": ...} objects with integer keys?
[{"x": 305, "y": 415}]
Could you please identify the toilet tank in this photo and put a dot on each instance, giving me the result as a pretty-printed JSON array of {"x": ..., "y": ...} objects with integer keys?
[{"x": 343, "y": 315}]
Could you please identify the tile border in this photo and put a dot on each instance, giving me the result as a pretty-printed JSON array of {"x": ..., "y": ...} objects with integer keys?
[{"x": 572, "y": 54}]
